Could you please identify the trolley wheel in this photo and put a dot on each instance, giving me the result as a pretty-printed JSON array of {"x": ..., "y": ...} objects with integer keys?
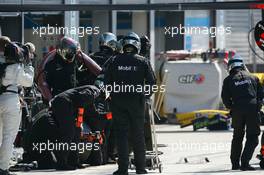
[
  {"x": 261, "y": 163},
  {"x": 160, "y": 168}
]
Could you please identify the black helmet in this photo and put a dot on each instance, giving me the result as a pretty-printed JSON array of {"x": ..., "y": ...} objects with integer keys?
[
  {"x": 236, "y": 61},
  {"x": 29, "y": 50},
  {"x": 108, "y": 40},
  {"x": 145, "y": 45},
  {"x": 119, "y": 48},
  {"x": 13, "y": 52},
  {"x": 68, "y": 48},
  {"x": 131, "y": 39}
]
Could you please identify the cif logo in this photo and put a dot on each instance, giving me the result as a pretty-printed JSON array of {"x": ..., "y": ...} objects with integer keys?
[{"x": 191, "y": 78}]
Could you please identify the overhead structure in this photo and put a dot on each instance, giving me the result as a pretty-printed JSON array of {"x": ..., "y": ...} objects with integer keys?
[{"x": 151, "y": 6}]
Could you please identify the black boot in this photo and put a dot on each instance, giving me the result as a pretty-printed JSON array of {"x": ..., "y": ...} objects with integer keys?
[
  {"x": 235, "y": 166},
  {"x": 65, "y": 167},
  {"x": 80, "y": 166},
  {"x": 121, "y": 172},
  {"x": 247, "y": 167}
]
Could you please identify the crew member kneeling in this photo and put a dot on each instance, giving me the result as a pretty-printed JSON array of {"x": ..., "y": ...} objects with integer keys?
[{"x": 67, "y": 110}]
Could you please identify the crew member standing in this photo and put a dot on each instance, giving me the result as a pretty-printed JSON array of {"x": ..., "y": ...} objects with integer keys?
[
  {"x": 127, "y": 104},
  {"x": 242, "y": 94},
  {"x": 63, "y": 69},
  {"x": 13, "y": 73},
  {"x": 107, "y": 49},
  {"x": 145, "y": 51}
]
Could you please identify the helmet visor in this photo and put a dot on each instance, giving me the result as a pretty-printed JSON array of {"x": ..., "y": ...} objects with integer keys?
[
  {"x": 235, "y": 65},
  {"x": 128, "y": 43},
  {"x": 68, "y": 54},
  {"x": 108, "y": 40}
]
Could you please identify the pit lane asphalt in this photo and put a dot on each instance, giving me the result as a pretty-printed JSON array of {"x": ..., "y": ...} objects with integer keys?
[{"x": 180, "y": 146}]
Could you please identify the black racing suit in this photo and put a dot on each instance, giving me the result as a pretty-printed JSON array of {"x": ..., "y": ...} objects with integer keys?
[
  {"x": 129, "y": 71},
  {"x": 242, "y": 93},
  {"x": 62, "y": 76},
  {"x": 102, "y": 58},
  {"x": 64, "y": 110}
]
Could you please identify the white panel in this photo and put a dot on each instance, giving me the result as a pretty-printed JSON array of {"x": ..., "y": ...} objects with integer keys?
[{"x": 192, "y": 86}]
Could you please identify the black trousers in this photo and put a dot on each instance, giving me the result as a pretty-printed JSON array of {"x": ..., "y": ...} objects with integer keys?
[
  {"x": 242, "y": 120},
  {"x": 129, "y": 114},
  {"x": 111, "y": 146},
  {"x": 65, "y": 114},
  {"x": 108, "y": 144}
]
